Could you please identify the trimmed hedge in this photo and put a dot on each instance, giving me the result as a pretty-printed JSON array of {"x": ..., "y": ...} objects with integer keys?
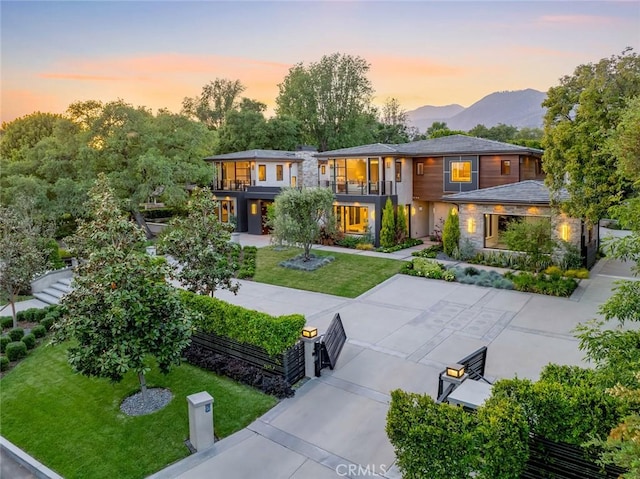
[
  {"x": 16, "y": 350},
  {"x": 16, "y": 334},
  {"x": 4, "y": 340},
  {"x": 39, "y": 331},
  {"x": 6, "y": 322},
  {"x": 274, "y": 334},
  {"x": 4, "y": 363},
  {"x": 248, "y": 266},
  {"x": 29, "y": 340}
]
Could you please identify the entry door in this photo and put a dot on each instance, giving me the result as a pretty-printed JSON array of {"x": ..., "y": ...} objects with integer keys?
[
  {"x": 374, "y": 176},
  {"x": 263, "y": 216}
]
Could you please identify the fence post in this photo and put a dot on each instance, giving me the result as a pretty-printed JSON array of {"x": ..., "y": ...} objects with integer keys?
[
  {"x": 200, "y": 420},
  {"x": 310, "y": 338}
]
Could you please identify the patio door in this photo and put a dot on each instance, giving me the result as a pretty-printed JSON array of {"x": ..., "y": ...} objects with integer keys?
[{"x": 374, "y": 176}]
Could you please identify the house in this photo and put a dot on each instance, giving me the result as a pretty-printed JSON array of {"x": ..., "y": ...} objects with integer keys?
[{"x": 490, "y": 182}]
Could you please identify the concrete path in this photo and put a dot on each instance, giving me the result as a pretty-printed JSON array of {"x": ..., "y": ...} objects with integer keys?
[{"x": 401, "y": 335}]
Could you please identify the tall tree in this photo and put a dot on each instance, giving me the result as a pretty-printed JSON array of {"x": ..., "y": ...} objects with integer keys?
[
  {"x": 582, "y": 112},
  {"x": 299, "y": 216},
  {"x": 218, "y": 98},
  {"x": 22, "y": 252},
  {"x": 202, "y": 246},
  {"x": 21, "y": 134},
  {"x": 122, "y": 309},
  {"x": 392, "y": 127},
  {"x": 331, "y": 99}
]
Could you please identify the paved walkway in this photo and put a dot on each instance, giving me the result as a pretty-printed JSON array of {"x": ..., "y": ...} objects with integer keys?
[{"x": 401, "y": 334}]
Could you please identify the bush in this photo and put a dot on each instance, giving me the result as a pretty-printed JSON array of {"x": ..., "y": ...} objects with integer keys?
[
  {"x": 16, "y": 334},
  {"x": 274, "y": 334},
  {"x": 581, "y": 273},
  {"x": 430, "y": 252},
  {"x": 4, "y": 363},
  {"x": 365, "y": 246},
  {"x": 47, "y": 322},
  {"x": 248, "y": 266},
  {"x": 29, "y": 340},
  {"x": 16, "y": 350},
  {"x": 54, "y": 259},
  {"x": 568, "y": 256},
  {"x": 467, "y": 250},
  {"x": 39, "y": 331},
  {"x": 428, "y": 268},
  {"x": 533, "y": 238},
  {"x": 451, "y": 233},
  {"x": 238, "y": 370},
  {"x": 542, "y": 284},
  {"x": 349, "y": 241},
  {"x": 4, "y": 340},
  {"x": 6, "y": 322}
]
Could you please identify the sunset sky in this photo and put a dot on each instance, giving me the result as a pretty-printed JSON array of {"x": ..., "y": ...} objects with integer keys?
[{"x": 154, "y": 53}]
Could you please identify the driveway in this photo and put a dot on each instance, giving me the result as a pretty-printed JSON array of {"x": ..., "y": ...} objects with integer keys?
[{"x": 401, "y": 335}]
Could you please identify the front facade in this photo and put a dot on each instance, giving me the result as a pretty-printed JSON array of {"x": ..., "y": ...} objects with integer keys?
[{"x": 489, "y": 182}]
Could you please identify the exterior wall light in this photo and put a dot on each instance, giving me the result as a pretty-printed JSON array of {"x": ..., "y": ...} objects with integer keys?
[
  {"x": 471, "y": 225},
  {"x": 565, "y": 232},
  {"x": 309, "y": 332},
  {"x": 455, "y": 371},
  {"x": 254, "y": 208}
]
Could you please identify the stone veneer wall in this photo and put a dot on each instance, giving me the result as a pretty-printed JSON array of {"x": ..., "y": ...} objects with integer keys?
[
  {"x": 477, "y": 212},
  {"x": 308, "y": 168}
]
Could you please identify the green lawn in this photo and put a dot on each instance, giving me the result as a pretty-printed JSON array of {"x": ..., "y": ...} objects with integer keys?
[
  {"x": 349, "y": 275},
  {"x": 73, "y": 424}
]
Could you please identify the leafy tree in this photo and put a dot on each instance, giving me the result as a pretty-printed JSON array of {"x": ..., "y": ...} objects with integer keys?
[
  {"x": 531, "y": 237},
  {"x": 402, "y": 227},
  {"x": 388, "y": 228},
  {"x": 283, "y": 133},
  {"x": 500, "y": 132},
  {"x": 624, "y": 143},
  {"x": 300, "y": 215},
  {"x": 201, "y": 244},
  {"x": 437, "y": 126},
  {"x": 582, "y": 114},
  {"x": 392, "y": 123},
  {"x": 451, "y": 233},
  {"x": 331, "y": 99},
  {"x": 121, "y": 310},
  {"x": 23, "y": 133},
  {"x": 218, "y": 98},
  {"x": 22, "y": 251},
  {"x": 242, "y": 130}
]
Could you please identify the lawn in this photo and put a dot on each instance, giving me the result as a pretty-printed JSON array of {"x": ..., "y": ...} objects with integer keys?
[
  {"x": 73, "y": 424},
  {"x": 349, "y": 275}
]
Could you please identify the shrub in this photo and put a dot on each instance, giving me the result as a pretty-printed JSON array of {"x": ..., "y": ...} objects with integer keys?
[
  {"x": 388, "y": 229},
  {"x": 29, "y": 340},
  {"x": 47, "y": 322},
  {"x": 16, "y": 350},
  {"x": 349, "y": 241},
  {"x": 449, "y": 275},
  {"x": 533, "y": 238},
  {"x": 581, "y": 273},
  {"x": 54, "y": 259},
  {"x": 430, "y": 252},
  {"x": 4, "y": 340},
  {"x": 39, "y": 331},
  {"x": 451, "y": 233},
  {"x": 365, "y": 246},
  {"x": 4, "y": 363},
  {"x": 428, "y": 268},
  {"x": 6, "y": 322},
  {"x": 248, "y": 266},
  {"x": 568, "y": 256},
  {"x": 16, "y": 334},
  {"x": 466, "y": 250},
  {"x": 274, "y": 334},
  {"x": 554, "y": 272},
  {"x": 402, "y": 230}
]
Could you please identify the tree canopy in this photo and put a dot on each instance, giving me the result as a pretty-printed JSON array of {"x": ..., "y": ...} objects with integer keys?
[
  {"x": 583, "y": 111},
  {"x": 331, "y": 99},
  {"x": 218, "y": 97}
]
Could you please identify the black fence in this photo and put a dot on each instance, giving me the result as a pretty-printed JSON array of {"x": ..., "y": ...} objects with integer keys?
[
  {"x": 474, "y": 365},
  {"x": 328, "y": 349},
  {"x": 556, "y": 460},
  {"x": 289, "y": 365}
]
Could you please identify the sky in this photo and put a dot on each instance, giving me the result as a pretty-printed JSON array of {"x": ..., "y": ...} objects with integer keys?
[{"x": 156, "y": 53}]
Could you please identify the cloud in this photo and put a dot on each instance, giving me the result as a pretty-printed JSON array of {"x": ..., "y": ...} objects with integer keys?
[
  {"x": 576, "y": 20},
  {"x": 16, "y": 103},
  {"x": 75, "y": 76}
]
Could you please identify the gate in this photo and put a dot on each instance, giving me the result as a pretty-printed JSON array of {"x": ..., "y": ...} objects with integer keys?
[{"x": 328, "y": 349}]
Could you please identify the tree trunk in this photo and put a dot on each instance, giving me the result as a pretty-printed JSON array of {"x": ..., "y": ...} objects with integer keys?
[
  {"x": 307, "y": 251},
  {"x": 12, "y": 301},
  {"x": 143, "y": 387}
]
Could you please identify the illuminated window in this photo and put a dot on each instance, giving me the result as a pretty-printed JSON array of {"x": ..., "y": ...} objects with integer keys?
[
  {"x": 419, "y": 169},
  {"x": 262, "y": 172},
  {"x": 461, "y": 171},
  {"x": 398, "y": 171},
  {"x": 279, "y": 172},
  {"x": 293, "y": 181},
  {"x": 506, "y": 167}
]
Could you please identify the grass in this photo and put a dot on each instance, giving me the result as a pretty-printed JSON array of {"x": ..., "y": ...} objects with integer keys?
[
  {"x": 348, "y": 276},
  {"x": 73, "y": 424}
]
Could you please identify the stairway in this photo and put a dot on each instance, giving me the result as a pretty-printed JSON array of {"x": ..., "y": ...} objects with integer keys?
[{"x": 54, "y": 293}]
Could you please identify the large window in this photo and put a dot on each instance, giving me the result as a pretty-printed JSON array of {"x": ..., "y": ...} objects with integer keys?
[
  {"x": 262, "y": 172},
  {"x": 352, "y": 219},
  {"x": 279, "y": 172},
  {"x": 505, "y": 167},
  {"x": 461, "y": 171}
]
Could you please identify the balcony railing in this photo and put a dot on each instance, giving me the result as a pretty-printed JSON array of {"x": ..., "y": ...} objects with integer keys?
[
  {"x": 374, "y": 188},
  {"x": 232, "y": 185}
]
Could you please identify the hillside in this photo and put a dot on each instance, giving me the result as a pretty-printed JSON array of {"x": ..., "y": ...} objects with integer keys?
[{"x": 520, "y": 108}]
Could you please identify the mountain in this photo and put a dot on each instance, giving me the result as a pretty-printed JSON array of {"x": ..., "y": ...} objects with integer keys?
[{"x": 521, "y": 108}]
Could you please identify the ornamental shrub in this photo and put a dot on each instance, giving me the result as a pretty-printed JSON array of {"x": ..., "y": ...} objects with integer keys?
[
  {"x": 274, "y": 334},
  {"x": 4, "y": 340},
  {"x": 29, "y": 340},
  {"x": 16, "y": 334},
  {"x": 388, "y": 229},
  {"x": 4, "y": 363},
  {"x": 47, "y": 322},
  {"x": 402, "y": 229},
  {"x": 451, "y": 233},
  {"x": 428, "y": 268},
  {"x": 6, "y": 322},
  {"x": 16, "y": 350},
  {"x": 39, "y": 331}
]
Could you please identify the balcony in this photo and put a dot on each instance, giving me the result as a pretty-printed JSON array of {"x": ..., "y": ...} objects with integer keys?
[
  {"x": 232, "y": 185},
  {"x": 360, "y": 188}
]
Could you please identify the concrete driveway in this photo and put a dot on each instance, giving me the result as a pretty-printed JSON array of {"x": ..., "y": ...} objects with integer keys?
[{"x": 401, "y": 335}]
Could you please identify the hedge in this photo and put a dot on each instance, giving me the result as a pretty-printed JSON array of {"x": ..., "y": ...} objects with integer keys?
[
  {"x": 29, "y": 340},
  {"x": 16, "y": 334},
  {"x": 6, "y": 322},
  {"x": 4, "y": 363},
  {"x": 274, "y": 334},
  {"x": 4, "y": 340},
  {"x": 39, "y": 331},
  {"x": 16, "y": 350}
]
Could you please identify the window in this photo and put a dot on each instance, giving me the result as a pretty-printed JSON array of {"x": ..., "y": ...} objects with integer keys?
[
  {"x": 323, "y": 170},
  {"x": 227, "y": 211},
  {"x": 461, "y": 171},
  {"x": 262, "y": 172},
  {"x": 505, "y": 169},
  {"x": 293, "y": 182},
  {"x": 398, "y": 171},
  {"x": 352, "y": 219},
  {"x": 539, "y": 167},
  {"x": 419, "y": 169},
  {"x": 279, "y": 172}
]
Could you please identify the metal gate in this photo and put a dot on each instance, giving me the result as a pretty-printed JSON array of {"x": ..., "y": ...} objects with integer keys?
[{"x": 328, "y": 349}]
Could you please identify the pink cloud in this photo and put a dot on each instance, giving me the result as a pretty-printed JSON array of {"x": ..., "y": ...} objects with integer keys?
[
  {"x": 17, "y": 103},
  {"x": 75, "y": 76}
]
